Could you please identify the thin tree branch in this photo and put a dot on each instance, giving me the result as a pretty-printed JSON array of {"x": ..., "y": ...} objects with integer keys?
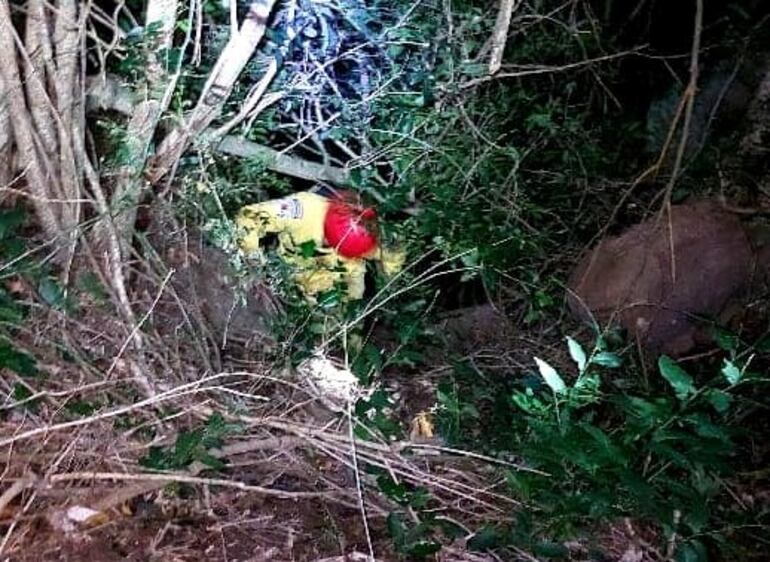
[
  {"x": 107, "y": 93},
  {"x": 130, "y": 184},
  {"x": 6, "y": 139},
  {"x": 545, "y": 69},
  {"x": 39, "y": 104},
  {"x": 500, "y": 34},
  {"x": 282, "y": 163},
  {"x": 217, "y": 89},
  {"x": 689, "y": 96},
  {"x": 66, "y": 39}
]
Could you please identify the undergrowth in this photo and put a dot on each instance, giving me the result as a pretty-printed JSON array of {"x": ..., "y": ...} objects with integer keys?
[
  {"x": 491, "y": 190},
  {"x": 496, "y": 185},
  {"x": 611, "y": 446}
]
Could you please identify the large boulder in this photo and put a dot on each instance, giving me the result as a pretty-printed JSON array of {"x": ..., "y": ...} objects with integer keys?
[{"x": 665, "y": 303}]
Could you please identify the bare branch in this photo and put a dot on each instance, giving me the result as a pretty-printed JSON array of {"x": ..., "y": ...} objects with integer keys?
[
  {"x": 107, "y": 93},
  {"x": 500, "y": 34},
  {"x": 233, "y": 59},
  {"x": 66, "y": 39},
  {"x": 6, "y": 139},
  {"x": 40, "y": 105},
  {"x": 255, "y": 103},
  {"x": 536, "y": 70},
  {"x": 141, "y": 128},
  {"x": 282, "y": 163},
  {"x": 171, "y": 477}
]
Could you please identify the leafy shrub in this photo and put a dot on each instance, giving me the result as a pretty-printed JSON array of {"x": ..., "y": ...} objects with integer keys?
[{"x": 656, "y": 454}]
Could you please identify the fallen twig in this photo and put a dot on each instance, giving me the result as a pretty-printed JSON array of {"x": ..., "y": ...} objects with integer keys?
[{"x": 185, "y": 478}]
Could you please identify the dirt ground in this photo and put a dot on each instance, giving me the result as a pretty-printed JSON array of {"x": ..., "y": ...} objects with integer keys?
[{"x": 232, "y": 527}]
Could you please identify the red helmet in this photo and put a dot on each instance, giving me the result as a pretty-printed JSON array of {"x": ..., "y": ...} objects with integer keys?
[{"x": 349, "y": 227}]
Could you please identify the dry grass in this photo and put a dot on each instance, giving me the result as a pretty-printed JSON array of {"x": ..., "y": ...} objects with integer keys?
[
  {"x": 292, "y": 466},
  {"x": 147, "y": 366}
]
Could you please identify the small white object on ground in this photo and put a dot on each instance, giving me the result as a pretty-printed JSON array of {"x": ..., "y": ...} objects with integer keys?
[
  {"x": 335, "y": 384},
  {"x": 80, "y": 514}
]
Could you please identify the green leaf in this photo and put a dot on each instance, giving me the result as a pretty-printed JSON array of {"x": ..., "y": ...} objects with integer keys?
[
  {"x": 307, "y": 249},
  {"x": 396, "y": 528},
  {"x": 362, "y": 432},
  {"x": 81, "y": 408},
  {"x": 677, "y": 377},
  {"x": 719, "y": 400},
  {"x": 521, "y": 483},
  {"x": 191, "y": 446},
  {"x": 611, "y": 452},
  {"x": 392, "y": 489},
  {"x": 588, "y": 384},
  {"x": 385, "y": 424},
  {"x": 16, "y": 361},
  {"x": 577, "y": 354},
  {"x": 551, "y": 550},
  {"x": 647, "y": 413},
  {"x": 184, "y": 448},
  {"x": 705, "y": 428},
  {"x": 551, "y": 377},
  {"x": 451, "y": 529},
  {"x": 419, "y": 498},
  {"x": 725, "y": 339},
  {"x": 731, "y": 373},
  {"x": 212, "y": 461},
  {"x": 10, "y": 221},
  {"x": 216, "y": 428},
  {"x": 528, "y": 403},
  {"x": 51, "y": 292},
  {"x": 356, "y": 177},
  {"x": 21, "y": 392},
  {"x": 607, "y": 359},
  {"x": 367, "y": 363},
  {"x": 692, "y": 551},
  {"x": 484, "y": 539},
  {"x": 10, "y": 311},
  {"x": 155, "y": 458},
  {"x": 421, "y": 549},
  {"x": 379, "y": 400}
]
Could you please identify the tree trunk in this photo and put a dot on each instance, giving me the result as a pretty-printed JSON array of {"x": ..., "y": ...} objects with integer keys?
[{"x": 25, "y": 137}]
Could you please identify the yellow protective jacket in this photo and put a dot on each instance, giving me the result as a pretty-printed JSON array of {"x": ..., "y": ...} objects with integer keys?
[{"x": 299, "y": 219}]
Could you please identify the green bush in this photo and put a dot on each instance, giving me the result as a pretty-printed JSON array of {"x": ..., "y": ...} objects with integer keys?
[{"x": 610, "y": 448}]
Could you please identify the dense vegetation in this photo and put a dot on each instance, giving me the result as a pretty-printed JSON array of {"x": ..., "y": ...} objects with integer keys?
[{"x": 563, "y": 441}]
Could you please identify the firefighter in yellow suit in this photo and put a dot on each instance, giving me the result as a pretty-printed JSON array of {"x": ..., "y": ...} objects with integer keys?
[{"x": 297, "y": 220}]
